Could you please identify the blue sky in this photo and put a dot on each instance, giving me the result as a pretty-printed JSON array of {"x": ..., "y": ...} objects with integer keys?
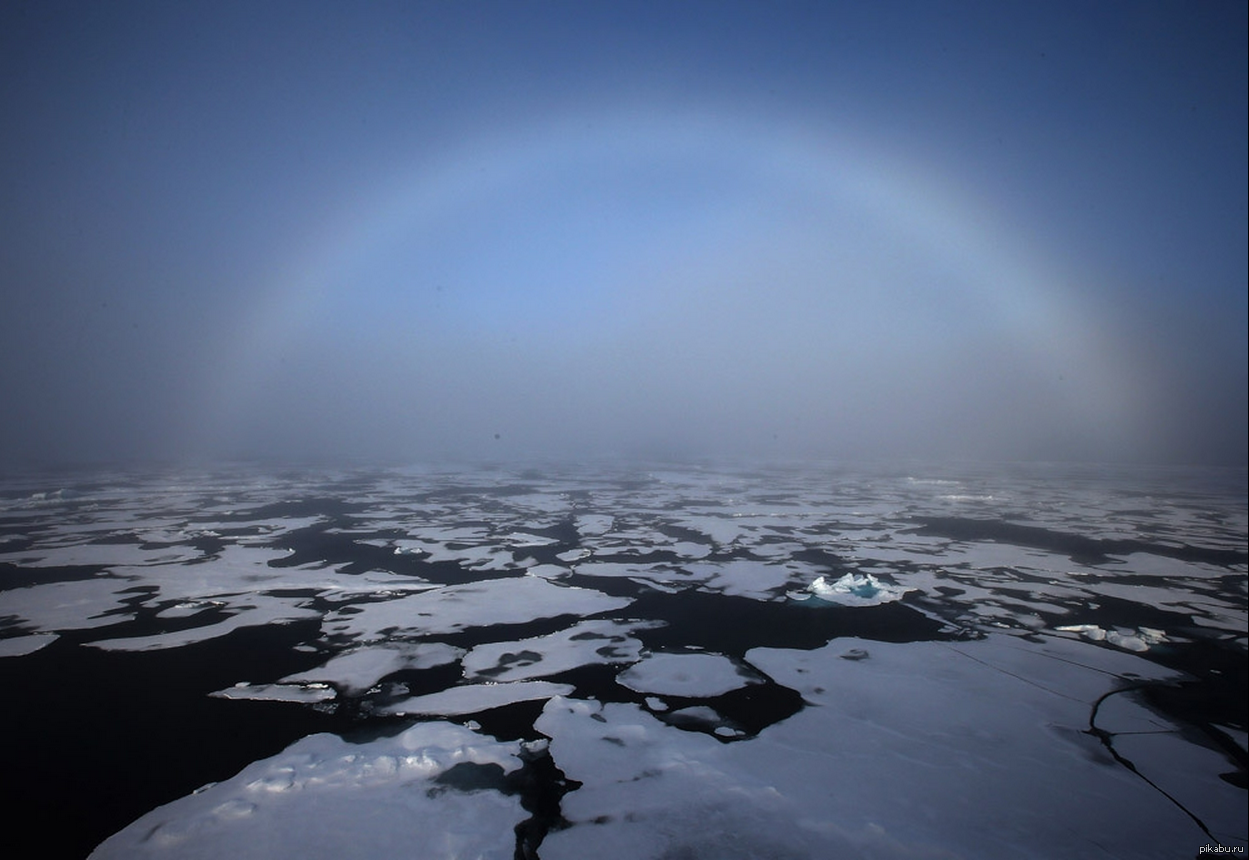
[{"x": 846, "y": 230}]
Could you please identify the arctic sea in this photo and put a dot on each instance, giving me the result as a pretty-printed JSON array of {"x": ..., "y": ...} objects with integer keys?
[{"x": 624, "y": 661}]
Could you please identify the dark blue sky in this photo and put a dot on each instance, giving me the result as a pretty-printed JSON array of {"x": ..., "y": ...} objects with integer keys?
[{"x": 1001, "y": 230}]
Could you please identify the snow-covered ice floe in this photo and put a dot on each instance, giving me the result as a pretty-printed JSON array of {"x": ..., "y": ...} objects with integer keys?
[
  {"x": 302, "y": 693},
  {"x": 913, "y": 750},
  {"x": 358, "y": 670},
  {"x": 1139, "y": 639},
  {"x": 474, "y": 698},
  {"x": 326, "y": 798},
  {"x": 696, "y": 675}
]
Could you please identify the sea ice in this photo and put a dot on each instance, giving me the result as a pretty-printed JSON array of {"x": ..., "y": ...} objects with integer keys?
[
  {"x": 66, "y": 605},
  {"x": 105, "y": 554},
  {"x": 326, "y": 798},
  {"x": 743, "y": 577},
  {"x": 1139, "y": 640},
  {"x": 582, "y": 644},
  {"x": 306, "y": 694},
  {"x": 973, "y": 725},
  {"x": 524, "y": 539},
  {"x": 970, "y": 748},
  {"x": 255, "y": 610},
  {"x": 472, "y": 698},
  {"x": 18, "y": 646},
  {"x": 508, "y": 600},
  {"x": 548, "y": 571},
  {"x": 914, "y": 750},
  {"x": 358, "y": 670},
  {"x": 855, "y": 589},
  {"x": 593, "y": 525},
  {"x": 650, "y": 791},
  {"x": 698, "y": 675}
]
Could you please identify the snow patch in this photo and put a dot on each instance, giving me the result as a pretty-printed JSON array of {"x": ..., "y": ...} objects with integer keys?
[
  {"x": 472, "y": 698},
  {"x": 698, "y": 675}
]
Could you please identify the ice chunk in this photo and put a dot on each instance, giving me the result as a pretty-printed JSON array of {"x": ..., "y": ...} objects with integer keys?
[
  {"x": 524, "y": 539},
  {"x": 356, "y": 671},
  {"x": 1139, "y": 640},
  {"x": 510, "y": 600},
  {"x": 856, "y": 589},
  {"x": 742, "y": 577},
  {"x": 19, "y": 646},
  {"x": 548, "y": 571},
  {"x": 471, "y": 698},
  {"x": 686, "y": 675},
  {"x": 580, "y": 645},
  {"x": 301, "y": 693},
  {"x": 594, "y": 524}
]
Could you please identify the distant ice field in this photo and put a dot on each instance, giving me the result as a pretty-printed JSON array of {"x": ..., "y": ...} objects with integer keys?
[{"x": 642, "y": 662}]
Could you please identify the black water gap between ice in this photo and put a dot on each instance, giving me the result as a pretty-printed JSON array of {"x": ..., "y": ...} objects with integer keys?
[
  {"x": 539, "y": 785},
  {"x": 1107, "y": 740},
  {"x": 12, "y": 576},
  {"x": 733, "y": 625},
  {"x": 94, "y": 739}
]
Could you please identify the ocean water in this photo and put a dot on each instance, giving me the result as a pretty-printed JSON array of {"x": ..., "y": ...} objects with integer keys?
[{"x": 642, "y": 661}]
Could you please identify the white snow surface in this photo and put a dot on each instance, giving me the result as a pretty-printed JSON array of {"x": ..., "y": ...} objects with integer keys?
[
  {"x": 325, "y": 798},
  {"x": 510, "y": 600},
  {"x": 66, "y": 605},
  {"x": 745, "y": 577},
  {"x": 358, "y": 670},
  {"x": 473, "y": 698},
  {"x": 685, "y": 675},
  {"x": 19, "y": 646},
  {"x": 916, "y": 750},
  {"x": 255, "y": 610},
  {"x": 580, "y": 645},
  {"x": 300, "y": 693}
]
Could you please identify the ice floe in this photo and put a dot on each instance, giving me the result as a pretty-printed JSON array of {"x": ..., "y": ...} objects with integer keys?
[
  {"x": 61, "y": 606},
  {"x": 19, "y": 646},
  {"x": 473, "y": 698},
  {"x": 325, "y": 797},
  {"x": 1138, "y": 640},
  {"x": 256, "y": 611},
  {"x": 510, "y": 600},
  {"x": 583, "y": 644},
  {"x": 698, "y": 675},
  {"x": 745, "y": 577},
  {"x": 301, "y": 693},
  {"x": 360, "y": 669}
]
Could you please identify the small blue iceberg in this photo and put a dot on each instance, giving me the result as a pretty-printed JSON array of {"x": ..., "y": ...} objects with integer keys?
[{"x": 856, "y": 589}]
